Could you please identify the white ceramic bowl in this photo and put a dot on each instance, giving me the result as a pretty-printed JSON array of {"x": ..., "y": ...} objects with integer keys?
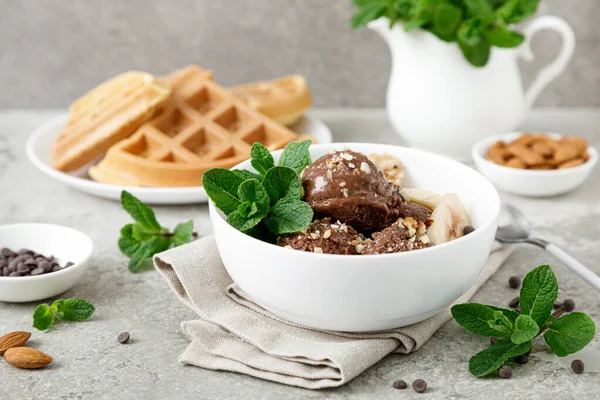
[
  {"x": 39, "y": 152},
  {"x": 66, "y": 244},
  {"x": 530, "y": 182},
  {"x": 374, "y": 292}
]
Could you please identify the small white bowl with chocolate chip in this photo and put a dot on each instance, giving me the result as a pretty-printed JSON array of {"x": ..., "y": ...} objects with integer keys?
[
  {"x": 535, "y": 164},
  {"x": 38, "y": 261},
  {"x": 398, "y": 234}
]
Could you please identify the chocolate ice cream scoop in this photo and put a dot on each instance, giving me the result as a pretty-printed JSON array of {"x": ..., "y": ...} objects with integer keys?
[{"x": 348, "y": 186}]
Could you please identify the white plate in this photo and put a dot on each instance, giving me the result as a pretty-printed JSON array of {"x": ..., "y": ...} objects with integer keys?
[{"x": 39, "y": 152}]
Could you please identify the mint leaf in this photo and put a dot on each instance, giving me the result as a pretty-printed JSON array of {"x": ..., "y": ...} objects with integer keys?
[
  {"x": 241, "y": 223},
  {"x": 296, "y": 156},
  {"x": 366, "y": 14},
  {"x": 281, "y": 182},
  {"x": 446, "y": 18},
  {"x": 139, "y": 211},
  {"x": 510, "y": 314},
  {"x": 147, "y": 249},
  {"x": 289, "y": 216},
  {"x": 503, "y": 37},
  {"x": 140, "y": 233},
  {"x": 570, "y": 333},
  {"x": 474, "y": 317},
  {"x": 525, "y": 329},
  {"x": 489, "y": 360},
  {"x": 76, "y": 309},
  {"x": 56, "y": 311},
  {"x": 481, "y": 8},
  {"x": 182, "y": 233},
  {"x": 127, "y": 244},
  {"x": 477, "y": 52},
  {"x": 221, "y": 186},
  {"x": 538, "y": 294},
  {"x": 43, "y": 318},
  {"x": 501, "y": 323},
  {"x": 248, "y": 209},
  {"x": 262, "y": 159},
  {"x": 245, "y": 174},
  {"x": 253, "y": 191}
]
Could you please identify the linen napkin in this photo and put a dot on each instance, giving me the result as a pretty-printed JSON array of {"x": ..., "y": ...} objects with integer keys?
[{"x": 234, "y": 334}]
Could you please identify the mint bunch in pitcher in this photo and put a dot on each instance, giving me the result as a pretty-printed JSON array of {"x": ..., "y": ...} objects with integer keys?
[
  {"x": 475, "y": 25},
  {"x": 268, "y": 203}
]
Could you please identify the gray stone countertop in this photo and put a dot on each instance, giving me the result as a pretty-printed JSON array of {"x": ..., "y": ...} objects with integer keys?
[{"x": 90, "y": 364}]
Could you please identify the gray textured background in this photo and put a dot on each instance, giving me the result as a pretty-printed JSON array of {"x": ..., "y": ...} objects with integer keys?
[{"x": 52, "y": 51}]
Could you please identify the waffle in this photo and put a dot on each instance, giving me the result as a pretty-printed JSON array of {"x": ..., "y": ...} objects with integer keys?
[
  {"x": 202, "y": 127},
  {"x": 107, "y": 114},
  {"x": 284, "y": 99}
]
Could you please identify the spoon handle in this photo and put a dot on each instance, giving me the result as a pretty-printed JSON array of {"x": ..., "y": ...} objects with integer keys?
[{"x": 575, "y": 265}]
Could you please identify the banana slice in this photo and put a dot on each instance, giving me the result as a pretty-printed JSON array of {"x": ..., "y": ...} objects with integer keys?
[
  {"x": 449, "y": 219},
  {"x": 421, "y": 196}
]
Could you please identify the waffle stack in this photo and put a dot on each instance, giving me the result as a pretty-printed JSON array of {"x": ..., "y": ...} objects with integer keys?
[
  {"x": 106, "y": 115},
  {"x": 284, "y": 99},
  {"x": 202, "y": 126}
]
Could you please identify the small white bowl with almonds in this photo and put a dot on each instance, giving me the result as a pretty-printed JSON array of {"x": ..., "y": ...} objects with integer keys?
[{"x": 535, "y": 164}]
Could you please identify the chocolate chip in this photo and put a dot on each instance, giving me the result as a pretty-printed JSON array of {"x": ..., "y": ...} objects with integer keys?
[
  {"x": 31, "y": 261},
  {"x": 400, "y": 384},
  {"x": 419, "y": 385},
  {"x": 22, "y": 269},
  {"x": 124, "y": 338},
  {"x": 5, "y": 271},
  {"x": 514, "y": 303},
  {"x": 67, "y": 265},
  {"x": 518, "y": 310},
  {"x": 569, "y": 305},
  {"x": 3, "y": 263},
  {"x": 493, "y": 340},
  {"x": 45, "y": 265},
  {"x": 12, "y": 267},
  {"x": 524, "y": 359},
  {"x": 37, "y": 271},
  {"x": 468, "y": 229},
  {"x": 578, "y": 366},
  {"x": 557, "y": 304},
  {"x": 505, "y": 372},
  {"x": 14, "y": 274},
  {"x": 26, "y": 251},
  {"x": 56, "y": 268},
  {"x": 6, "y": 252},
  {"x": 514, "y": 282}
]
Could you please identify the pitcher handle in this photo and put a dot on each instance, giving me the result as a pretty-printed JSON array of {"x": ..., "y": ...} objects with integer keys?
[{"x": 548, "y": 73}]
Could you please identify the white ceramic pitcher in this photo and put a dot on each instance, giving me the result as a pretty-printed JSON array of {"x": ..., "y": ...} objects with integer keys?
[{"x": 437, "y": 101}]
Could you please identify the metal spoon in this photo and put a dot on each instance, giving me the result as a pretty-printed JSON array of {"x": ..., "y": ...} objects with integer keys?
[{"x": 519, "y": 232}]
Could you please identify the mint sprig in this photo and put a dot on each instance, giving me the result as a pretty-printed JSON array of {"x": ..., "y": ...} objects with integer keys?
[
  {"x": 268, "y": 203},
  {"x": 146, "y": 237},
  {"x": 475, "y": 25},
  {"x": 74, "y": 309},
  {"x": 564, "y": 334}
]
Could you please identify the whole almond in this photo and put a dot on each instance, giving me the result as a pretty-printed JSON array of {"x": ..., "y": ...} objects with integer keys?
[
  {"x": 26, "y": 357},
  {"x": 13, "y": 339}
]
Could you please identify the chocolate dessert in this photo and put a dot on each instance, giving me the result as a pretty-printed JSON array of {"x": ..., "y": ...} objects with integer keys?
[
  {"x": 324, "y": 236},
  {"x": 348, "y": 186},
  {"x": 403, "y": 235}
]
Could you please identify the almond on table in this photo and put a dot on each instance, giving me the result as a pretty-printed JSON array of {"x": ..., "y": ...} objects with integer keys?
[{"x": 539, "y": 152}]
